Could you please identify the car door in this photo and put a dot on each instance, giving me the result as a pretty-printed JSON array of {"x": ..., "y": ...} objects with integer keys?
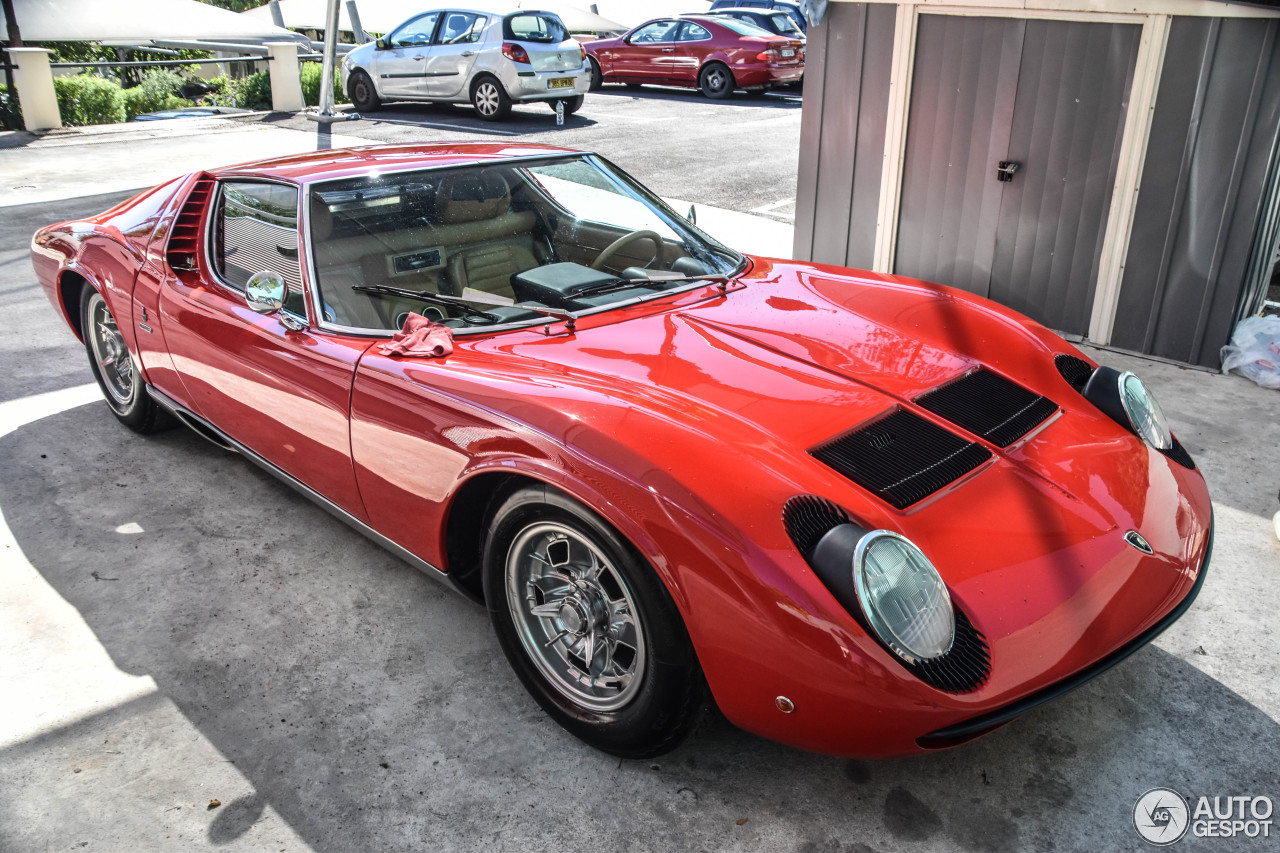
[
  {"x": 453, "y": 53},
  {"x": 693, "y": 45},
  {"x": 649, "y": 51},
  {"x": 401, "y": 68},
  {"x": 284, "y": 393}
]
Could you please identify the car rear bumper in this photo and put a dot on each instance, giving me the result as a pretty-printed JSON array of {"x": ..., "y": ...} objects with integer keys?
[
  {"x": 536, "y": 85},
  {"x": 767, "y": 75}
]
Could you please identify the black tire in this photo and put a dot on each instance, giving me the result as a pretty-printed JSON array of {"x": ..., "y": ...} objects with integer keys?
[
  {"x": 597, "y": 76},
  {"x": 716, "y": 81},
  {"x": 115, "y": 368},
  {"x": 490, "y": 99},
  {"x": 364, "y": 96},
  {"x": 633, "y": 85},
  {"x": 571, "y": 105},
  {"x": 659, "y": 691}
]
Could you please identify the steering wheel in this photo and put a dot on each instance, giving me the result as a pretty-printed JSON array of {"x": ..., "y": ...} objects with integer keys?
[{"x": 625, "y": 240}]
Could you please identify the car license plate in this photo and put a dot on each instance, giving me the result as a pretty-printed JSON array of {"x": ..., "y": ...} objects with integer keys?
[
  {"x": 787, "y": 53},
  {"x": 560, "y": 83}
]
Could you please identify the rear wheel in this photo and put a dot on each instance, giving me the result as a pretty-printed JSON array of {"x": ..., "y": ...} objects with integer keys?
[
  {"x": 490, "y": 99},
  {"x": 588, "y": 627},
  {"x": 364, "y": 96},
  {"x": 571, "y": 105},
  {"x": 716, "y": 81},
  {"x": 114, "y": 368},
  {"x": 597, "y": 76}
]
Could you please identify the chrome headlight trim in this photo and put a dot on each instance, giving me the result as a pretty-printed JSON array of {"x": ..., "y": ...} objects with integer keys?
[
  {"x": 1144, "y": 413},
  {"x": 930, "y": 641}
]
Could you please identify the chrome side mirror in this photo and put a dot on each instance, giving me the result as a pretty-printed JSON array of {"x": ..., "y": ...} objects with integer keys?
[{"x": 264, "y": 292}]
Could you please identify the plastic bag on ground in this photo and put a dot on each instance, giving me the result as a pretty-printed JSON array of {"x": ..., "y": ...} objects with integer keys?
[{"x": 1254, "y": 351}]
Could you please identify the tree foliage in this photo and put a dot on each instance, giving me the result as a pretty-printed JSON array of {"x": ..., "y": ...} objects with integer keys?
[{"x": 236, "y": 5}]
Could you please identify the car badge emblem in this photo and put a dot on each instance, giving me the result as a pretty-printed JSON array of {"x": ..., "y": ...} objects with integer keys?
[{"x": 1135, "y": 539}]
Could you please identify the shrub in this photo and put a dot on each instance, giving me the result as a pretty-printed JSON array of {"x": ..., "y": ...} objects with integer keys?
[
  {"x": 157, "y": 91},
  {"x": 311, "y": 74},
  {"x": 10, "y": 110},
  {"x": 254, "y": 91},
  {"x": 86, "y": 99}
]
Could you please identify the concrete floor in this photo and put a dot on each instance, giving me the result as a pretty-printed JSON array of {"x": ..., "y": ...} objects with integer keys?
[{"x": 176, "y": 627}]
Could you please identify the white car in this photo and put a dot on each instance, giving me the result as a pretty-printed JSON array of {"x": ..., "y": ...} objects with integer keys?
[{"x": 457, "y": 55}]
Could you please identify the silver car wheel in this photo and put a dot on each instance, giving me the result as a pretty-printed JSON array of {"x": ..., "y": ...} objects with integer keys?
[
  {"x": 575, "y": 616},
  {"x": 109, "y": 351},
  {"x": 486, "y": 98}
]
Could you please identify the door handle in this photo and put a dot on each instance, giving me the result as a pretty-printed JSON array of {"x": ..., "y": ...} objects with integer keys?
[
  {"x": 668, "y": 50},
  {"x": 418, "y": 58},
  {"x": 468, "y": 53},
  {"x": 1005, "y": 170}
]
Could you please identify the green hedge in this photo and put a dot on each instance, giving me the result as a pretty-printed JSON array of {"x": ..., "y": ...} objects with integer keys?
[
  {"x": 157, "y": 91},
  {"x": 254, "y": 92},
  {"x": 312, "y": 74},
  {"x": 10, "y": 110},
  {"x": 88, "y": 99}
]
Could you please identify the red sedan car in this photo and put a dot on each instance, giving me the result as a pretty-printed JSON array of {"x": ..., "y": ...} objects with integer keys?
[
  {"x": 864, "y": 515},
  {"x": 712, "y": 53}
]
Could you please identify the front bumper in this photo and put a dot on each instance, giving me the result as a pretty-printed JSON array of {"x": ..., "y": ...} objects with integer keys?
[
  {"x": 535, "y": 85},
  {"x": 961, "y": 732}
]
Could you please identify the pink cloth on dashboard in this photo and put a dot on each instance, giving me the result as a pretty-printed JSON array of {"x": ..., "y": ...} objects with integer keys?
[{"x": 420, "y": 337}]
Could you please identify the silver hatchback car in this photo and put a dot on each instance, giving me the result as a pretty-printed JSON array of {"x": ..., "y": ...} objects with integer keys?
[{"x": 457, "y": 55}]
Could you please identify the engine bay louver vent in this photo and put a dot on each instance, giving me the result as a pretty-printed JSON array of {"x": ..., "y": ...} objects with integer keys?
[
  {"x": 184, "y": 237},
  {"x": 1075, "y": 370},
  {"x": 901, "y": 458},
  {"x": 988, "y": 405},
  {"x": 808, "y": 519}
]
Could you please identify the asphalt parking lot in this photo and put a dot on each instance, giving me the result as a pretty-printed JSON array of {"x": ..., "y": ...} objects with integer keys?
[{"x": 178, "y": 628}]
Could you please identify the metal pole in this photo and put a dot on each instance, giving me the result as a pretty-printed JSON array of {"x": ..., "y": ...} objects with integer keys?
[
  {"x": 327, "y": 113},
  {"x": 356, "y": 27},
  {"x": 277, "y": 17},
  {"x": 15, "y": 40}
]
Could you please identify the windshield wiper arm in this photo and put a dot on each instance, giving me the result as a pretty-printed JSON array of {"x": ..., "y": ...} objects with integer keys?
[
  {"x": 656, "y": 277},
  {"x": 426, "y": 296}
]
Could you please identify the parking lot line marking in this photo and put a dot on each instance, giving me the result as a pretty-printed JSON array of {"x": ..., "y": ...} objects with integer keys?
[{"x": 772, "y": 209}]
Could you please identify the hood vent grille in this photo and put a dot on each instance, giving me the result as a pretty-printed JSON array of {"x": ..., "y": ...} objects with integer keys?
[
  {"x": 808, "y": 519},
  {"x": 988, "y": 405},
  {"x": 901, "y": 458},
  {"x": 1075, "y": 370},
  {"x": 184, "y": 239}
]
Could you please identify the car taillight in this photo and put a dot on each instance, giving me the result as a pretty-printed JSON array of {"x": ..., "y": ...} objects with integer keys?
[
  {"x": 515, "y": 52},
  {"x": 770, "y": 55}
]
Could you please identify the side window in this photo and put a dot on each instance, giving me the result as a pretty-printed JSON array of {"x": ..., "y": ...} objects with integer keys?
[
  {"x": 656, "y": 32},
  {"x": 255, "y": 229},
  {"x": 460, "y": 28},
  {"x": 693, "y": 32},
  {"x": 417, "y": 32}
]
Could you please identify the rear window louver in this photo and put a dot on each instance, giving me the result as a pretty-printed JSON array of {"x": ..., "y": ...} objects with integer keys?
[
  {"x": 901, "y": 458},
  {"x": 990, "y": 406},
  {"x": 184, "y": 238}
]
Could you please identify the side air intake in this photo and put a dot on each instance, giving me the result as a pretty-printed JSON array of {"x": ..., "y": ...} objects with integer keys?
[
  {"x": 901, "y": 458},
  {"x": 184, "y": 237}
]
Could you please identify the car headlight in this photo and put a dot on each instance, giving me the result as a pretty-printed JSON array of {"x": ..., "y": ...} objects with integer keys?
[
  {"x": 903, "y": 596},
  {"x": 1145, "y": 415},
  {"x": 1127, "y": 400}
]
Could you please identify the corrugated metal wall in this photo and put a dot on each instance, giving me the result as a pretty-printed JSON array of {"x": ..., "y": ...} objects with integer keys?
[
  {"x": 1213, "y": 136},
  {"x": 846, "y": 107},
  {"x": 1048, "y": 95}
]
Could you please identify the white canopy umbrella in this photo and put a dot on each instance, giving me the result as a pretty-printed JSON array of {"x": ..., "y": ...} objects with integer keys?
[
  {"x": 138, "y": 22},
  {"x": 631, "y": 13},
  {"x": 382, "y": 16}
]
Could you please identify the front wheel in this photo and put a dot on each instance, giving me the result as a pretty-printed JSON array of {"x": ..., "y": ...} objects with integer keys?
[
  {"x": 490, "y": 99},
  {"x": 114, "y": 368},
  {"x": 716, "y": 81},
  {"x": 364, "y": 96},
  {"x": 597, "y": 76},
  {"x": 588, "y": 626}
]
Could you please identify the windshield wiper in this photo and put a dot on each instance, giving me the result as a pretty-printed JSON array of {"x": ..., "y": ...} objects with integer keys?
[
  {"x": 656, "y": 277},
  {"x": 426, "y": 296}
]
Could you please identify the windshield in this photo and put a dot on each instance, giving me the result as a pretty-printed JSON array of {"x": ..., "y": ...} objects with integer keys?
[{"x": 572, "y": 234}]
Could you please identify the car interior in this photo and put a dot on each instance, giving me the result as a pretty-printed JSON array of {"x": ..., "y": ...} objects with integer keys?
[{"x": 538, "y": 234}]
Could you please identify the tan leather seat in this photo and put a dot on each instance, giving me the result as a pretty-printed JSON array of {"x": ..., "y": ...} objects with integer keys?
[{"x": 484, "y": 199}]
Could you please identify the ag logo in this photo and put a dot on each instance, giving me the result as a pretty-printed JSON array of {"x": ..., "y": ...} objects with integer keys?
[{"x": 1160, "y": 816}]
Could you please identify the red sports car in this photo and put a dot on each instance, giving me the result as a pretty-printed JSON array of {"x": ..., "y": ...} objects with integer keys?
[
  {"x": 864, "y": 515},
  {"x": 713, "y": 53}
]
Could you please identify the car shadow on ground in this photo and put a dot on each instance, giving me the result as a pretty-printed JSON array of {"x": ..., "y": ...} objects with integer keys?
[
  {"x": 371, "y": 708},
  {"x": 524, "y": 118},
  {"x": 779, "y": 99}
]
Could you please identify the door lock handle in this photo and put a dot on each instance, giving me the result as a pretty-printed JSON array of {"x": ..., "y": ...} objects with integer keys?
[
  {"x": 1006, "y": 170},
  {"x": 468, "y": 53},
  {"x": 668, "y": 50},
  {"x": 418, "y": 58}
]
